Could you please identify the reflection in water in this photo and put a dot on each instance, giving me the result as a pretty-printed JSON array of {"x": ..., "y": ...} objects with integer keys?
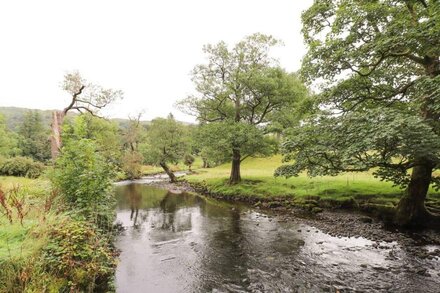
[
  {"x": 134, "y": 199},
  {"x": 185, "y": 243}
]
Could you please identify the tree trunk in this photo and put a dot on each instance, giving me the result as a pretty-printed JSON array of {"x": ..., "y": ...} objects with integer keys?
[
  {"x": 170, "y": 173},
  {"x": 235, "y": 171},
  {"x": 411, "y": 210},
  {"x": 55, "y": 139}
]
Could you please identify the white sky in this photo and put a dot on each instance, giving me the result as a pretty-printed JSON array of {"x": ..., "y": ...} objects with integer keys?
[{"x": 144, "y": 48}]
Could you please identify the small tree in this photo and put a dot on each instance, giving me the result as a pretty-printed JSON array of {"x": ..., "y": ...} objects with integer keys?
[
  {"x": 165, "y": 144},
  {"x": 86, "y": 98},
  {"x": 132, "y": 159},
  {"x": 188, "y": 160},
  {"x": 243, "y": 88},
  {"x": 84, "y": 177}
]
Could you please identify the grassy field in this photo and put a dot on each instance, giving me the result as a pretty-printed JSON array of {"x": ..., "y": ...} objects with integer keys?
[
  {"x": 16, "y": 241},
  {"x": 259, "y": 182}
]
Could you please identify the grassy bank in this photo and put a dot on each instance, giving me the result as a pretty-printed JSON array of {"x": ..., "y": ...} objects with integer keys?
[
  {"x": 42, "y": 247},
  {"x": 258, "y": 184}
]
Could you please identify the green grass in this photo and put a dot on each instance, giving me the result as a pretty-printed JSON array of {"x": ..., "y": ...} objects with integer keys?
[
  {"x": 18, "y": 240},
  {"x": 259, "y": 182}
]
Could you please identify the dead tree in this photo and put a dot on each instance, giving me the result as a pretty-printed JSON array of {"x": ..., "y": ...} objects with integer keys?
[{"x": 86, "y": 98}]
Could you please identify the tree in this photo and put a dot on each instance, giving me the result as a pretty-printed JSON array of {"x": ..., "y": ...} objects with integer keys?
[
  {"x": 104, "y": 133},
  {"x": 132, "y": 158},
  {"x": 242, "y": 88},
  {"x": 378, "y": 63},
  {"x": 8, "y": 140},
  {"x": 165, "y": 144},
  {"x": 34, "y": 137},
  {"x": 86, "y": 98},
  {"x": 83, "y": 176},
  {"x": 188, "y": 160}
]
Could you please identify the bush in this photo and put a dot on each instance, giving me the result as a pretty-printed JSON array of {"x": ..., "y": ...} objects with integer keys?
[
  {"x": 84, "y": 178},
  {"x": 78, "y": 256},
  {"x": 21, "y": 166},
  {"x": 132, "y": 165}
]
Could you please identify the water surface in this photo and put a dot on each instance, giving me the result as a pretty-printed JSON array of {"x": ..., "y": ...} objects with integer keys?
[{"x": 186, "y": 243}]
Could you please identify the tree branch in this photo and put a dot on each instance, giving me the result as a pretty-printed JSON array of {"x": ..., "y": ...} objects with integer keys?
[{"x": 74, "y": 99}]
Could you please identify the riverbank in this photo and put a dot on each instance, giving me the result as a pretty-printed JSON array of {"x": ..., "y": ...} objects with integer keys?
[
  {"x": 350, "y": 191},
  {"x": 336, "y": 222}
]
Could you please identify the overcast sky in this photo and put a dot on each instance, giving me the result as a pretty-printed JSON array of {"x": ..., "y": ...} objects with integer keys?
[{"x": 144, "y": 48}]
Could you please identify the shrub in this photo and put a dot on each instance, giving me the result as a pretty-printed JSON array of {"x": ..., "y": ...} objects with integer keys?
[
  {"x": 84, "y": 178},
  {"x": 188, "y": 160},
  {"x": 79, "y": 256},
  {"x": 132, "y": 165},
  {"x": 21, "y": 166}
]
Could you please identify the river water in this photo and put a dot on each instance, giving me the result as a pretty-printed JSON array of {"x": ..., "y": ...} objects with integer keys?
[{"x": 186, "y": 243}]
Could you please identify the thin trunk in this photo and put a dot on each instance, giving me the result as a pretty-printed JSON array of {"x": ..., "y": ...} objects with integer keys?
[
  {"x": 170, "y": 173},
  {"x": 411, "y": 210},
  {"x": 55, "y": 139},
  {"x": 235, "y": 171}
]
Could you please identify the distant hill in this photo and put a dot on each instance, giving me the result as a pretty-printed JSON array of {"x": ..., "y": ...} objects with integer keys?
[{"x": 14, "y": 117}]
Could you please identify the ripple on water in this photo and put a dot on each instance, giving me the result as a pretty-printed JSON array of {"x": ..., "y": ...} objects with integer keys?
[{"x": 184, "y": 243}]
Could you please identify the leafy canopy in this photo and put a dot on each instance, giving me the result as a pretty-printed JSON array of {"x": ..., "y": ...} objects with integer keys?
[
  {"x": 165, "y": 142},
  {"x": 377, "y": 69},
  {"x": 241, "y": 93}
]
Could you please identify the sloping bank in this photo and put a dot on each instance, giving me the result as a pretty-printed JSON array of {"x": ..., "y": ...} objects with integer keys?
[{"x": 283, "y": 194}]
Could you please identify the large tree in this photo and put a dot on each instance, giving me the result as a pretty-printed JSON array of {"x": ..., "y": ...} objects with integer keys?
[
  {"x": 377, "y": 67},
  {"x": 242, "y": 88},
  {"x": 85, "y": 98}
]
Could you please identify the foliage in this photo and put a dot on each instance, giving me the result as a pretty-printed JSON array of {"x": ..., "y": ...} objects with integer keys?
[
  {"x": 21, "y": 166},
  {"x": 391, "y": 145},
  {"x": 132, "y": 136},
  {"x": 84, "y": 178},
  {"x": 78, "y": 255},
  {"x": 219, "y": 139},
  {"x": 243, "y": 85},
  {"x": 104, "y": 133},
  {"x": 377, "y": 66},
  {"x": 8, "y": 140},
  {"x": 188, "y": 160},
  {"x": 34, "y": 137},
  {"x": 165, "y": 141},
  {"x": 132, "y": 164}
]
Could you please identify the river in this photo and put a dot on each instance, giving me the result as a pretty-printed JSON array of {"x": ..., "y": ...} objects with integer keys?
[{"x": 187, "y": 243}]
